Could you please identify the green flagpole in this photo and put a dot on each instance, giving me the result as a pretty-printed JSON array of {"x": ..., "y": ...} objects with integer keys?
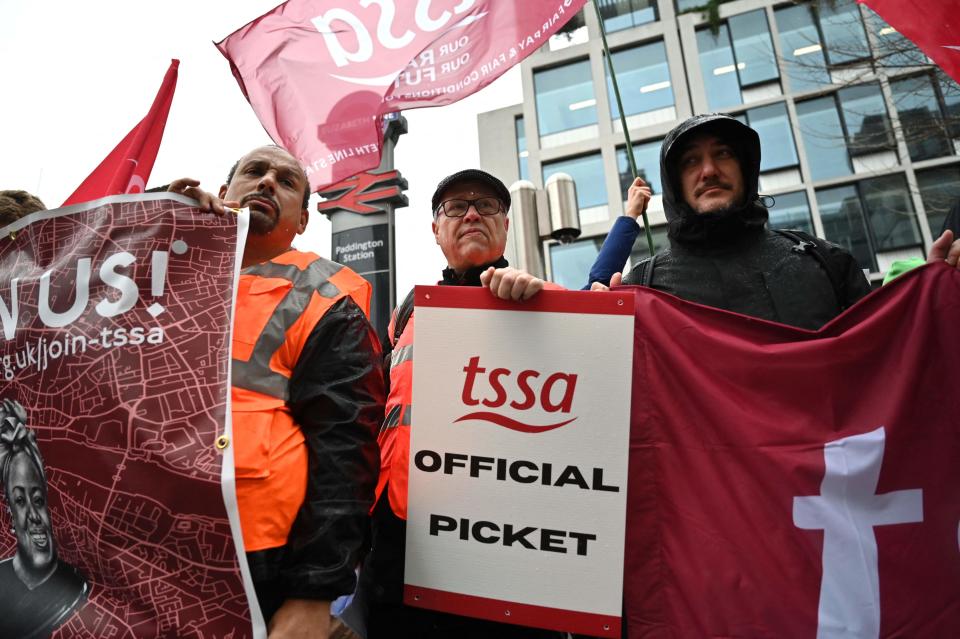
[{"x": 623, "y": 119}]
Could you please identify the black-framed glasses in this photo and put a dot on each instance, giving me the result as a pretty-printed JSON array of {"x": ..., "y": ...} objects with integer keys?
[{"x": 459, "y": 208}]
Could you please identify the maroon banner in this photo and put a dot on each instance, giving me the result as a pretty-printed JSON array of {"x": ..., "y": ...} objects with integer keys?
[
  {"x": 932, "y": 25},
  {"x": 320, "y": 73},
  {"x": 791, "y": 483},
  {"x": 115, "y": 360},
  {"x": 127, "y": 168}
]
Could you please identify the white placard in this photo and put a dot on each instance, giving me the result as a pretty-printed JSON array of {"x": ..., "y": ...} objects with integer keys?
[{"x": 519, "y": 445}]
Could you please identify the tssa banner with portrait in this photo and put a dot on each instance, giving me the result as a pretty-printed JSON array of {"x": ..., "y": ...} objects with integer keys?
[
  {"x": 518, "y": 461},
  {"x": 793, "y": 483},
  {"x": 116, "y": 317}
]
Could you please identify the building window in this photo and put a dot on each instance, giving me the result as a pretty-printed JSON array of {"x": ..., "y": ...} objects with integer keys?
[
  {"x": 719, "y": 68},
  {"x": 623, "y": 14},
  {"x": 950, "y": 92},
  {"x": 644, "y": 80},
  {"x": 564, "y": 97},
  {"x": 647, "y": 157},
  {"x": 571, "y": 33},
  {"x": 866, "y": 120},
  {"x": 870, "y": 216},
  {"x": 739, "y": 56},
  {"x": 922, "y": 116},
  {"x": 772, "y": 124},
  {"x": 839, "y": 127},
  {"x": 570, "y": 263},
  {"x": 822, "y": 133},
  {"x": 843, "y": 223},
  {"x": 791, "y": 211},
  {"x": 891, "y": 48},
  {"x": 684, "y": 6},
  {"x": 804, "y": 61},
  {"x": 843, "y": 32},
  {"x": 641, "y": 250},
  {"x": 587, "y": 174},
  {"x": 890, "y": 212},
  {"x": 940, "y": 191},
  {"x": 753, "y": 48},
  {"x": 522, "y": 153}
]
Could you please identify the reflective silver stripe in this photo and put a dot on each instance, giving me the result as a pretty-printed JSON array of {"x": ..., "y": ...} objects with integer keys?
[
  {"x": 255, "y": 374},
  {"x": 407, "y": 415},
  {"x": 401, "y": 355},
  {"x": 392, "y": 418}
]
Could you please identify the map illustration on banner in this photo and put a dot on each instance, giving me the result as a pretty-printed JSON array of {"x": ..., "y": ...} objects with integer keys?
[{"x": 113, "y": 414}]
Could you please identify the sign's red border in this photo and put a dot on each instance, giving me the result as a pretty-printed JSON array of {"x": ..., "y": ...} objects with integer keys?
[
  {"x": 547, "y": 301},
  {"x": 513, "y": 613}
]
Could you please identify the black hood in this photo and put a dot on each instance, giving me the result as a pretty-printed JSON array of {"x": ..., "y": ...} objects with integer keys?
[{"x": 690, "y": 228}]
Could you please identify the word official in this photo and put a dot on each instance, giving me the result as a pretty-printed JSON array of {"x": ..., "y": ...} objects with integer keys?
[{"x": 520, "y": 471}]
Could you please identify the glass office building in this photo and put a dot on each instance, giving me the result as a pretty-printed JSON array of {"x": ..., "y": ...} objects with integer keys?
[{"x": 860, "y": 133}]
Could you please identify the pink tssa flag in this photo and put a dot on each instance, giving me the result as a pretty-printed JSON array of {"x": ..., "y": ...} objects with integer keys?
[
  {"x": 127, "y": 168},
  {"x": 932, "y": 25},
  {"x": 321, "y": 73},
  {"x": 796, "y": 484}
]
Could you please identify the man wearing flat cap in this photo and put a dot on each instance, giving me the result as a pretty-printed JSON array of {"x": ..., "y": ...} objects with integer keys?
[{"x": 470, "y": 225}]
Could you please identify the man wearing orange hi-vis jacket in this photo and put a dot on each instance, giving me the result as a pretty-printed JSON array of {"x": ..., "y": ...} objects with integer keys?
[{"x": 307, "y": 399}]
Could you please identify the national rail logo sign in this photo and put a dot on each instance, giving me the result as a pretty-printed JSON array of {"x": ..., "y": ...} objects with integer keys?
[
  {"x": 523, "y": 407},
  {"x": 359, "y": 193}
]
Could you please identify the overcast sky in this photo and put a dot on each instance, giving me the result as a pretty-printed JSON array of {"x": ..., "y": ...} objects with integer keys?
[{"x": 77, "y": 76}]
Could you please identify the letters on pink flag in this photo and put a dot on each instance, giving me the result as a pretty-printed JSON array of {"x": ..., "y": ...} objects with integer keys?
[
  {"x": 320, "y": 73},
  {"x": 796, "y": 484}
]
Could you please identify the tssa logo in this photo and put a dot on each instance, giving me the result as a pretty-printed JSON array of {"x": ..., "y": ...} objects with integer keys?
[
  {"x": 355, "y": 39},
  {"x": 555, "y": 395}
]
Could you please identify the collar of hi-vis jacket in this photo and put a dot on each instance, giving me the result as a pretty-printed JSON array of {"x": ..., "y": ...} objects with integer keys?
[{"x": 300, "y": 276}]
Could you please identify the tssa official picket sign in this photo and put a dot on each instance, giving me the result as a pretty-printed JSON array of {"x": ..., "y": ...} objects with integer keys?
[{"x": 518, "y": 457}]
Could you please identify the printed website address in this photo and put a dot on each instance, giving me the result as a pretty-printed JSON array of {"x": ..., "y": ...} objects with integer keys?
[{"x": 37, "y": 354}]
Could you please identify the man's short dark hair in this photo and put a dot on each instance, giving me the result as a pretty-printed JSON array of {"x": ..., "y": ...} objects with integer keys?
[
  {"x": 14, "y": 204},
  {"x": 306, "y": 180}
]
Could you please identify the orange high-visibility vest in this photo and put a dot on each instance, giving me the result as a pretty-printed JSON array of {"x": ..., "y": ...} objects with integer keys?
[
  {"x": 278, "y": 304},
  {"x": 394, "y": 437}
]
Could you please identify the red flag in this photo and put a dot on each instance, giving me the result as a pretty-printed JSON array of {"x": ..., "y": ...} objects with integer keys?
[
  {"x": 320, "y": 73},
  {"x": 932, "y": 25},
  {"x": 791, "y": 483},
  {"x": 128, "y": 166}
]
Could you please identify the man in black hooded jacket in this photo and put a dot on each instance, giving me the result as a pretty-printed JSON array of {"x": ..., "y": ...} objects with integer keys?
[{"x": 721, "y": 253}]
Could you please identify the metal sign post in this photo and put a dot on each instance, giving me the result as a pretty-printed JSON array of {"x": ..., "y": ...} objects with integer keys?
[{"x": 361, "y": 211}]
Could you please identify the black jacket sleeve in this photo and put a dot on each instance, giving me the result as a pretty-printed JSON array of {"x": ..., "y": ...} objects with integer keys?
[
  {"x": 336, "y": 397},
  {"x": 853, "y": 284}
]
